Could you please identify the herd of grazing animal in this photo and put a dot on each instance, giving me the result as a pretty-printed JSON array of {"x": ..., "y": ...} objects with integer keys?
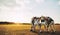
[{"x": 48, "y": 23}]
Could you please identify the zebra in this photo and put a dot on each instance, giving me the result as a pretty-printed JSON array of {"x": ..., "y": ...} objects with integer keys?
[
  {"x": 43, "y": 22},
  {"x": 35, "y": 21},
  {"x": 50, "y": 24},
  {"x": 46, "y": 21}
]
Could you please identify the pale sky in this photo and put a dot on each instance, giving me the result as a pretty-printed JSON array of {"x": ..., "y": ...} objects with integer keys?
[{"x": 24, "y": 10}]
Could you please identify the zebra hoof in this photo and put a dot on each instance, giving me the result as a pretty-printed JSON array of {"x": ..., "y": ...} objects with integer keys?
[
  {"x": 54, "y": 31},
  {"x": 40, "y": 31},
  {"x": 32, "y": 30}
]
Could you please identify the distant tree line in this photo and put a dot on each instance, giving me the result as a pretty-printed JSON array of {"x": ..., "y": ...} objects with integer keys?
[{"x": 6, "y": 23}]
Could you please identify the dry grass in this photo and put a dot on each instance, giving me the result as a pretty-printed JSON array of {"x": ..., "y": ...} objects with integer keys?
[{"x": 19, "y": 29}]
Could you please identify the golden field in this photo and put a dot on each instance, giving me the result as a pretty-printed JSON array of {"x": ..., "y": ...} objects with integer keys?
[{"x": 20, "y": 29}]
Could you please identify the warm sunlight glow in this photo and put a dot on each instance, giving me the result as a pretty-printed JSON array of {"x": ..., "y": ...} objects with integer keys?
[{"x": 24, "y": 10}]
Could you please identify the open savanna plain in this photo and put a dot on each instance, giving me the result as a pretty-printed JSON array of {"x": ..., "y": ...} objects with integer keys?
[{"x": 23, "y": 29}]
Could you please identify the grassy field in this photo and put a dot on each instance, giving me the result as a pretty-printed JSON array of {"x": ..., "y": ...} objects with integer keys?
[{"x": 20, "y": 29}]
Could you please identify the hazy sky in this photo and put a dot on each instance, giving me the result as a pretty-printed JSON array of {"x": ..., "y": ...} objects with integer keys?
[{"x": 24, "y": 10}]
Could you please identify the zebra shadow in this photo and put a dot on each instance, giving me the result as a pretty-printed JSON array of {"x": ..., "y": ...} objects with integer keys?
[{"x": 49, "y": 33}]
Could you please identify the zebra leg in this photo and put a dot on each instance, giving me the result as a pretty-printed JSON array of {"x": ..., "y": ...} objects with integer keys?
[
  {"x": 50, "y": 27},
  {"x": 33, "y": 28},
  {"x": 45, "y": 26},
  {"x": 40, "y": 27},
  {"x": 53, "y": 26}
]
